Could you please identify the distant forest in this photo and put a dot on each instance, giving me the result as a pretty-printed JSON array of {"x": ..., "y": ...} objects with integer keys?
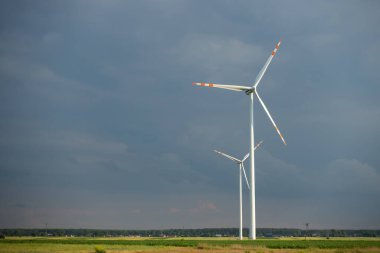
[{"x": 205, "y": 232}]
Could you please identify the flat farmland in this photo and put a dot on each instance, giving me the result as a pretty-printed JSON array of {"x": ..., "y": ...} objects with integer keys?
[{"x": 171, "y": 245}]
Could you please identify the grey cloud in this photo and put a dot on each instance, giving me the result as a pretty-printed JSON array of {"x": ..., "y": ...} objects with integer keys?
[
  {"x": 213, "y": 54},
  {"x": 352, "y": 177},
  {"x": 97, "y": 112}
]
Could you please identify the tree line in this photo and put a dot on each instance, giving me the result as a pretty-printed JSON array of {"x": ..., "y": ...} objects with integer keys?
[{"x": 205, "y": 232}]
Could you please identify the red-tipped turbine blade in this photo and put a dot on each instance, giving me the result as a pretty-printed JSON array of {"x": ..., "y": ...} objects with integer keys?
[
  {"x": 270, "y": 117},
  {"x": 224, "y": 86},
  {"x": 262, "y": 71}
]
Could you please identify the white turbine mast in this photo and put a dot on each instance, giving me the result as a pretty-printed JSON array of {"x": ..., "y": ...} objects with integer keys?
[
  {"x": 241, "y": 168},
  {"x": 250, "y": 91}
]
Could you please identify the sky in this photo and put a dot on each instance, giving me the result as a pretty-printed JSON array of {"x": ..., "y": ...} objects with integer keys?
[{"x": 101, "y": 127}]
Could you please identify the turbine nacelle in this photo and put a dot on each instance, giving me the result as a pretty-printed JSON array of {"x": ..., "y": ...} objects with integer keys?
[{"x": 252, "y": 90}]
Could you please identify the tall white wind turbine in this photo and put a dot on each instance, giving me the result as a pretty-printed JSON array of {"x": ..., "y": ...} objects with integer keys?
[
  {"x": 250, "y": 91},
  {"x": 241, "y": 168}
]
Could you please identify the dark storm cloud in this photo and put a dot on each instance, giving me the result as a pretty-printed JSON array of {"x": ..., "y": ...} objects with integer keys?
[{"x": 101, "y": 127}]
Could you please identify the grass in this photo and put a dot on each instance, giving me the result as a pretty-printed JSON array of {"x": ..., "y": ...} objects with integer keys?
[{"x": 205, "y": 245}]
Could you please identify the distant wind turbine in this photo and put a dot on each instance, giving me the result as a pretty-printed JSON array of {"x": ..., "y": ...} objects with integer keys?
[
  {"x": 241, "y": 168},
  {"x": 250, "y": 91}
]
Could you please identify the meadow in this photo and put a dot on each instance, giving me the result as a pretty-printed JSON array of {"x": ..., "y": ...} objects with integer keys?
[{"x": 189, "y": 244}]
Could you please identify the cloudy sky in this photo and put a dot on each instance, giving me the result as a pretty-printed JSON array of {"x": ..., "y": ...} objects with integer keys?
[{"x": 100, "y": 126}]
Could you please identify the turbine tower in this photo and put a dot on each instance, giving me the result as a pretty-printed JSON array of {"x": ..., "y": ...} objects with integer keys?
[
  {"x": 241, "y": 168},
  {"x": 250, "y": 91}
]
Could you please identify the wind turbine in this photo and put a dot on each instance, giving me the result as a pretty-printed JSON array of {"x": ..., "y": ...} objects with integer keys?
[
  {"x": 241, "y": 167},
  {"x": 250, "y": 91}
]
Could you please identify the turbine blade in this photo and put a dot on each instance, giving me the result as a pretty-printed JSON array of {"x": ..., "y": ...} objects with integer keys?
[
  {"x": 270, "y": 117},
  {"x": 262, "y": 71},
  {"x": 258, "y": 144},
  {"x": 245, "y": 175},
  {"x": 228, "y": 156},
  {"x": 245, "y": 157},
  {"x": 224, "y": 86}
]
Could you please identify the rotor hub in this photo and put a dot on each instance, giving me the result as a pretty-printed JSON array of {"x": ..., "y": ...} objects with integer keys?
[{"x": 248, "y": 92}]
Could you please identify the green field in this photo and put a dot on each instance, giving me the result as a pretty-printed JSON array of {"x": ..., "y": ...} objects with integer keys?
[{"x": 207, "y": 245}]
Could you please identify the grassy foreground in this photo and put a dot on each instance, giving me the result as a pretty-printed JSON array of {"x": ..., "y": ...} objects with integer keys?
[{"x": 171, "y": 245}]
